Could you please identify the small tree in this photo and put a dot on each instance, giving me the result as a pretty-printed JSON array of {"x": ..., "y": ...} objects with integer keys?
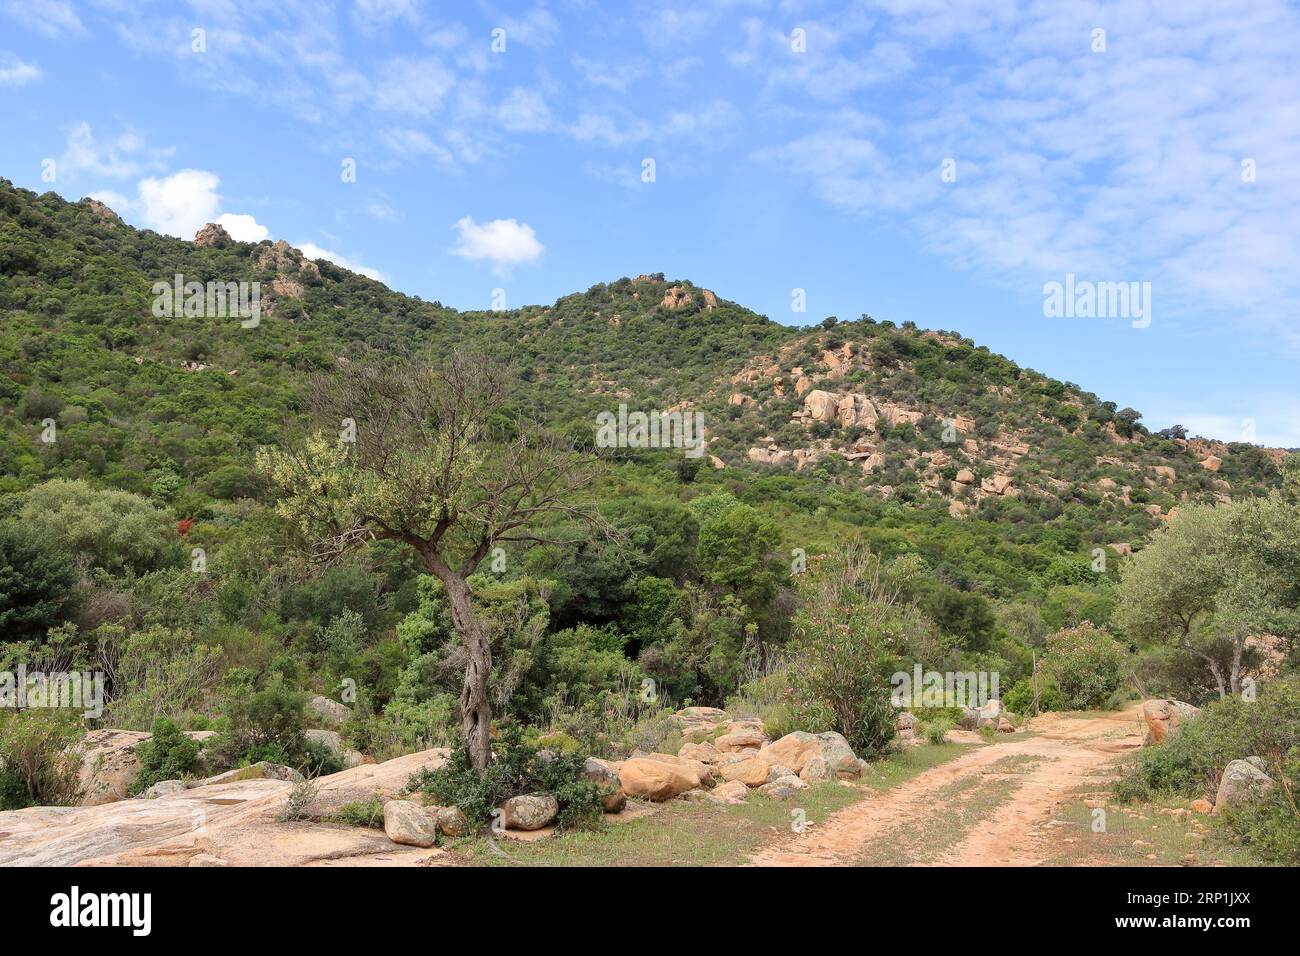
[
  {"x": 429, "y": 457},
  {"x": 1086, "y": 663}
]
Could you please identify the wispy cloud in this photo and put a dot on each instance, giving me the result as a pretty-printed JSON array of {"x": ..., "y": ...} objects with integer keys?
[{"x": 14, "y": 72}]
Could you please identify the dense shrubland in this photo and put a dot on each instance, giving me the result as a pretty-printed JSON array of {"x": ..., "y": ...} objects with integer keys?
[{"x": 146, "y": 541}]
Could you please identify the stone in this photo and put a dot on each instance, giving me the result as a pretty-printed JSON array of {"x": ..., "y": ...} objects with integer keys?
[
  {"x": 733, "y": 791},
  {"x": 655, "y": 780},
  {"x": 612, "y": 797},
  {"x": 531, "y": 811},
  {"x": 782, "y": 789},
  {"x": 262, "y": 770},
  {"x": 407, "y": 823},
  {"x": 331, "y": 712},
  {"x": 1242, "y": 781},
  {"x": 816, "y": 770},
  {"x": 704, "y": 753},
  {"x": 452, "y": 822},
  {"x": 1163, "y": 717},
  {"x": 1202, "y": 806},
  {"x": 334, "y": 741},
  {"x": 839, "y": 755},
  {"x": 906, "y": 720},
  {"x": 741, "y": 738},
  {"x": 820, "y": 406},
  {"x": 775, "y": 773},
  {"x": 751, "y": 772},
  {"x": 793, "y": 750}
]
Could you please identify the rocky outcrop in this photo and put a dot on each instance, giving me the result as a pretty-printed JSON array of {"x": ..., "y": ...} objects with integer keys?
[
  {"x": 234, "y": 823},
  {"x": 109, "y": 764},
  {"x": 212, "y": 235},
  {"x": 612, "y": 797},
  {"x": 820, "y": 406}
]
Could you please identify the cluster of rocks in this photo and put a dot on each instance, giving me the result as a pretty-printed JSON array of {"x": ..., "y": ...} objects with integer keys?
[
  {"x": 1242, "y": 781},
  {"x": 723, "y": 759}
]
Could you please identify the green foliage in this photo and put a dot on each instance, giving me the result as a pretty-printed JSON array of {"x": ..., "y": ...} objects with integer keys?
[
  {"x": 35, "y": 584},
  {"x": 1020, "y": 698},
  {"x": 39, "y": 762},
  {"x": 261, "y": 723},
  {"x": 1086, "y": 664},
  {"x": 518, "y": 769},
  {"x": 168, "y": 754},
  {"x": 363, "y": 813}
]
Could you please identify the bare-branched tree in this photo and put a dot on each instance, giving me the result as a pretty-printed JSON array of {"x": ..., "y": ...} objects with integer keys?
[{"x": 431, "y": 457}]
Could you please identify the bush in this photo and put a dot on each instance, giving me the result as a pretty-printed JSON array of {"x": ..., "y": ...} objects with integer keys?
[
  {"x": 41, "y": 764},
  {"x": 1190, "y": 764},
  {"x": 936, "y": 731},
  {"x": 35, "y": 585},
  {"x": 264, "y": 724},
  {"x": 363, "y": 813},
  {"x": 1086, "y": 663},
  {"x": 517, "y": 769},
  {"x": 167, "y": 755},
  {"x": 1020, "y": 698}
]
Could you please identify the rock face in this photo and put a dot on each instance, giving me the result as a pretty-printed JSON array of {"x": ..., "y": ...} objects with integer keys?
[
  {"x": 331, "y": 712},
  {"x": 212, "y": 235},
  {"x": 409, "y": 824},
  {"x": 655, "y": 780},
  {"x": 1163, "y": 717},
  {"x": 532, "y": 811},
  {"x": 234, "y": 823},
  {"x": 109, "y": 764},
  {"x": 820, "y": 406},
  {"x": 1242, "y": 781}
]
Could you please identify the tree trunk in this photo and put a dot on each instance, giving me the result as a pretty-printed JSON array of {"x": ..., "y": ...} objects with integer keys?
[{"x": 475, "y": 709}]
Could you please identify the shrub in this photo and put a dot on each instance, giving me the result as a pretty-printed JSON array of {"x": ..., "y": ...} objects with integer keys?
[
  {"x": 41, "y": 764},
  {"x": 168, "y": 754},
  {"x": 264, "y": 724},
  {"x": 1190, "y": 764},
  {"x": 1086, "y": 663},
  {"x": 517, "y": 769},
  {"x": 35, "y": 584},
  {"x": 363, "y": 813},
  {"x": 1020, "y": 698},
  {"x": 936, "y": 731}
]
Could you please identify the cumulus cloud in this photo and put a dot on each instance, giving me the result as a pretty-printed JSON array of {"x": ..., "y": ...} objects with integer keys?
[
  {"x": 180, "y": 204},
  {"x": 242, "y": 228},
  {"x": 313, "y": 251},
  {"x": 505, "y": 243},
  {"x": 14, "y": 72}
]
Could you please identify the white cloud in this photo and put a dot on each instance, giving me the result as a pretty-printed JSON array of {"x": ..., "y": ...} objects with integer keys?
[
  {"x": 113, "y": 158},
  {"x": 313, "y": 251},
  {"x": 415, "y": 86},
  {"x": 180, "y": 204},
  {"x": 53, "y": 18},
  {"x": 242, "y": 228},
  {"x": 505, "y": 243},
  {"x": 14, "y": 72},
  {"x": 524, "y": 111}
]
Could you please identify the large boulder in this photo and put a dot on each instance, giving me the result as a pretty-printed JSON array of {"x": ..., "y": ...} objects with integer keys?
[
  {"x": 532, "y": 811},
  {"x": 783, "y": 788},
  {"x": 656, "y": 780},
  {"x": 741, "y": 736},
  {"x": 733, "y": 791},
  {"x": 816, "y": 770},
  {"x": 1242, "y": 781},
  {"x": 839, "y": 755},
  {"x": 1163, "y": 717},
  {"x": 408, "y": 823},
  {"x": 333, "y": 740},
  {"x": 820, "y": 406},
  {"x": 452, "y": 822}
]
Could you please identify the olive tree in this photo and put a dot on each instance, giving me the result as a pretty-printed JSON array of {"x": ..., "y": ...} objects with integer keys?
[{"x": 431, "y": 458}]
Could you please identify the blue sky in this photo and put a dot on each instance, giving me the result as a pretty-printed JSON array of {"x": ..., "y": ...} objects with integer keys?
[{"x": 795, "y": 146}]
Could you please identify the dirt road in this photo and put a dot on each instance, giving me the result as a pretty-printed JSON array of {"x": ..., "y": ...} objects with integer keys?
[{"x": 987, "y": 807}]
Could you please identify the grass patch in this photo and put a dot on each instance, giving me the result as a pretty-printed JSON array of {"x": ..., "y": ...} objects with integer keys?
[
  {"x": 1141, "y": 835},
  {"x": 705, "y": 834}
]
